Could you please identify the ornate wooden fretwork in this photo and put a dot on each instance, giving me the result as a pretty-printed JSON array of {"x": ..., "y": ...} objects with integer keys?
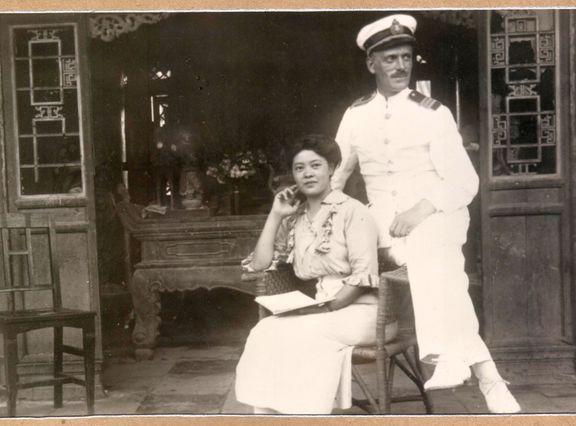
[
  {"x": 524, "y": 134},
  {"x": 160, "y": 73},
  {"x": 47, "y": 97},
  {"x": 109, "y": 26}
]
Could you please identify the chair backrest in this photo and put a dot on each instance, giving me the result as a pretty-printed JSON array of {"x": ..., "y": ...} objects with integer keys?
[{"x": 29, "y": 260}]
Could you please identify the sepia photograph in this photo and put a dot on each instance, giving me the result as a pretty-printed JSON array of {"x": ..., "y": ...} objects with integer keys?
[{"x": 270, "y": 212}]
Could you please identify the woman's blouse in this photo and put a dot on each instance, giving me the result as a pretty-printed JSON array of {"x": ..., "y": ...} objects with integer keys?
[{"x": 338, "y": 246}]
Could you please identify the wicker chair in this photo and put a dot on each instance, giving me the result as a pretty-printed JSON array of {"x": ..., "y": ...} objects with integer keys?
[{"x": 401, "y": 352}]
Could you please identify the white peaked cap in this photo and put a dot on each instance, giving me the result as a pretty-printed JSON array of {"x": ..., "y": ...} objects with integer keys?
[{"x": 387, "y": 32}]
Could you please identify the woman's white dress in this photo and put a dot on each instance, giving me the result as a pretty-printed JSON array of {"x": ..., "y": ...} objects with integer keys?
[{"x": 301, "y": 364}]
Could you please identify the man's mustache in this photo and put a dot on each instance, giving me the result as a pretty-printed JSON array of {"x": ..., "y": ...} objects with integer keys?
[{"x": 399, "y": 74}]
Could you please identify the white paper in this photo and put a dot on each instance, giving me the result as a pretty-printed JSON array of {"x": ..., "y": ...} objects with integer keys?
[{"x": 285, "y": 302}]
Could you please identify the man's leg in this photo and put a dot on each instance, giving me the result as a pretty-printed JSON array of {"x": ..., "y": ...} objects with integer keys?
[{"x": 446, "y": 324}]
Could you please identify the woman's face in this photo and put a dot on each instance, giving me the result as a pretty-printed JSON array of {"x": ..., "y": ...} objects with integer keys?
[{"x": 312, "y": 174}]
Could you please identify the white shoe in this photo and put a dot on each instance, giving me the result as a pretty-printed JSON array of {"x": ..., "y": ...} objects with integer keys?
[
  {"x": 448, "y": 374},
  {"x": 498, "y": 398}
]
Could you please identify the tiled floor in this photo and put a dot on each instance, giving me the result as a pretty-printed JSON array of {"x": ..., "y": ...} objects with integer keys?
[
  {"x": 199, "y": 380},
  {"x": 194, "y": 374}
]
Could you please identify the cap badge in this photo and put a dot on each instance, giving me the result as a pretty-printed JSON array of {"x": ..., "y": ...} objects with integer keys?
[{"x": 396, "y": 28}]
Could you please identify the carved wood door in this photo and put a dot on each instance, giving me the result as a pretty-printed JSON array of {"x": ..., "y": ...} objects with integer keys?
[
  {"x": 526, "y": 222},
  {"x": 47, "y": 147}
]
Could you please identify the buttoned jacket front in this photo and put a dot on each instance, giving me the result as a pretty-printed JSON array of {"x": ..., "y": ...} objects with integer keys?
[{"x": 407, "y": 151}]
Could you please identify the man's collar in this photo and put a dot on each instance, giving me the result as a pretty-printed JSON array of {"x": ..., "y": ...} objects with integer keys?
[{"x": 401, "y": 95}]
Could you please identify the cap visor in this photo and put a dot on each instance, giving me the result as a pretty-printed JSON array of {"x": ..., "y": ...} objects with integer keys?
[{"x": 392, "y": 42}]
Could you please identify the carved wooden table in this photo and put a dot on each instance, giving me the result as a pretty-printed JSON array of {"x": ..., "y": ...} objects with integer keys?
[{"x": 181, "y": 251}]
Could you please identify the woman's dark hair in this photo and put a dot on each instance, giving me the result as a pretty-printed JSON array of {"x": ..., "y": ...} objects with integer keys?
[{"x": 321, "y": 144}]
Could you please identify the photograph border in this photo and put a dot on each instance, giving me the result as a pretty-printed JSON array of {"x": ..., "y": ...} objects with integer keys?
[{"x": 86, "y": 6}]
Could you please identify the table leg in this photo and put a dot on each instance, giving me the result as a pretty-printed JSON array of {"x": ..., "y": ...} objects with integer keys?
[{"x": 146, "y": 300}]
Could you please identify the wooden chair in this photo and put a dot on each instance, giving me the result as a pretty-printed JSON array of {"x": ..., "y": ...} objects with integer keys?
[
  {"x": 28, "y": 252},
  {"x": 401, "y": 352}
]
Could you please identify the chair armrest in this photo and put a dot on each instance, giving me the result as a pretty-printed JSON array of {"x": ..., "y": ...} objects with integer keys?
[
  {"x": 278, "y": 281},
  {"x": 387, "y": 308}
]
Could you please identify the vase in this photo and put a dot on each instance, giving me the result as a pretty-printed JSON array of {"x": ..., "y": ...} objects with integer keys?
[{"x": 236, "y": 200}]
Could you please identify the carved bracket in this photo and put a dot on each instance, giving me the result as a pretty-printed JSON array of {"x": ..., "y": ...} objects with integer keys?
[
  {"x": 461, "y": 18},
  {"x": 109, "y": 26}
]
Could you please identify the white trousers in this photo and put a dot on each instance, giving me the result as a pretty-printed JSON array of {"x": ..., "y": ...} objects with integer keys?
[{"x": 446, "y": 324}]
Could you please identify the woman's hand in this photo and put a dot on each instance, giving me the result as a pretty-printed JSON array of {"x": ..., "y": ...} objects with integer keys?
[
  {"x": 317, "y": 309},
  {"x": 345, "y": 296},
  {"x": 285, "y": 202}
]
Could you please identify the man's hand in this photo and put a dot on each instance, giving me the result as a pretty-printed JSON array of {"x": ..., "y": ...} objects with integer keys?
[{"x": 406, "y": 221}]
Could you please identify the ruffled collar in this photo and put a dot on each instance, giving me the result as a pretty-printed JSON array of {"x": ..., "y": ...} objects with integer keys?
[
  {"x": 335, "y": 197},
  {"x": 333, "y": 200}
]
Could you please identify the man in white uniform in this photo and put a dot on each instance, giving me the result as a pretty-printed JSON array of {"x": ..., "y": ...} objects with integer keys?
[{"x": 419, "y": 181}]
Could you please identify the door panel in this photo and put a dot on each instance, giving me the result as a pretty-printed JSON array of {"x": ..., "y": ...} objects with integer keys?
[
  {"x": 527, "y": 265},
  {"x": 525, "y": 185},
  {"x": 47, "y": 147}
]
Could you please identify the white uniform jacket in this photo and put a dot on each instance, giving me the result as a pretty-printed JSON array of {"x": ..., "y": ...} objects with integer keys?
[{"x": 409, "y": 149}]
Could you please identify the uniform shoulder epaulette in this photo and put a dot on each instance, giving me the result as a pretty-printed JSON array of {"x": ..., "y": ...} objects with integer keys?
[
  {"x": 424, "y": 100},
  {"x": 363, "y": 100}
]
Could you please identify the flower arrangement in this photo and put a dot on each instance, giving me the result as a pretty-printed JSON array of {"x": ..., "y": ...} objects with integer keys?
[{"x": 236, "y": 167}]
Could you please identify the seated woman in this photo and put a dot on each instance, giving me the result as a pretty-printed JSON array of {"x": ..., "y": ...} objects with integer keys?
[{"x": 301, "y": 363}]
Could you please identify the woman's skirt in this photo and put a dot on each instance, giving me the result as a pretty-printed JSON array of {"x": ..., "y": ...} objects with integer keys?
[{"x": 299, "y": 364}]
